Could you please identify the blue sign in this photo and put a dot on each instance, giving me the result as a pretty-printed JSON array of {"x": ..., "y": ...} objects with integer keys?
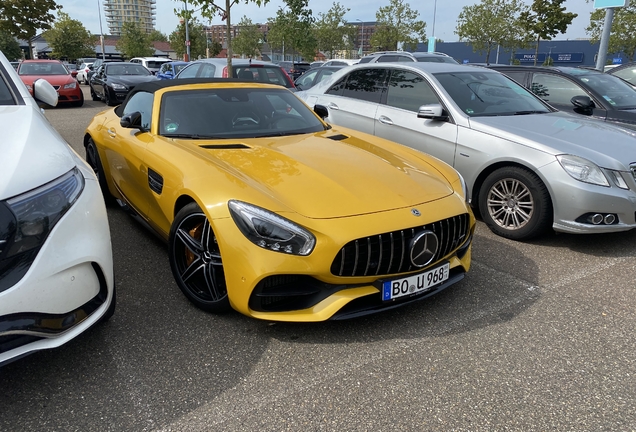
[
  {"x": 556, "y": 57},
  {"x": 617, "y": 60},
  {"x": 602, "y": 4}
]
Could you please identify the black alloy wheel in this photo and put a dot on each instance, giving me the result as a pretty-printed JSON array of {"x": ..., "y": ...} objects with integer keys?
[
  {"x": 93, "y": 94},
  {"x": 195, "y": 259},
  {"x": 515, "y": 203},
  {"x": 93, "y": 159}
]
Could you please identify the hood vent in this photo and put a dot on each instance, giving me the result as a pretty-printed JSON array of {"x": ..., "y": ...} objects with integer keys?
[
  {"x": 338, "y": 137},
  {"x": 224, "y": 146}
]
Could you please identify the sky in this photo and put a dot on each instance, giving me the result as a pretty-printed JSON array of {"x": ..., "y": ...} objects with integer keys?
[{"x": 439, "y": 16}]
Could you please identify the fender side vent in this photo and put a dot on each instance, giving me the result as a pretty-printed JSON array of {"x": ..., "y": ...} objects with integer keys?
[
  {"x": 338, "y": 137},
  {"x": 224, "y": 146},
  {"x": 155, "y": 181}
]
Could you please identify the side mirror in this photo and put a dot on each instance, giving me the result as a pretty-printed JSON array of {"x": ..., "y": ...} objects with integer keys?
[
  {"x": 431, "y": 112},
  {"x": 131, "y": 121},
  {"x": 91, "y": 67},
  {"x": 74, "y": 73},
  {"x": 44, "y": 92},
  {"x": 582, "y": 102},
  {"x": 322, "y": 111}
]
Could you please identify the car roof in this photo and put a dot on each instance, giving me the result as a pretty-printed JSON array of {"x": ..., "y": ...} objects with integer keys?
[
  {"x": 153, "y": 86},
  {"x": 235, "y": 62},
  {"x": 151, "y": 58},
  {"x": 566, "y": 70},
  {"x": 41, "y": 61}
]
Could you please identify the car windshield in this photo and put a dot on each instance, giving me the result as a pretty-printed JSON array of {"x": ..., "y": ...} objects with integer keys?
[
  {"x": 177, "y": 68},
  {"x": 264, "y": 74},
  {"x": 615, "y": 91},
  {"x": 156, "y": 64},
  {"x": 436, "y": 59},
  {"x": 489, "y": 94},
  {"x": 126, "y": 69},
  {"x": 42, "y": 69},
  {"x": 234, "y": 113}
]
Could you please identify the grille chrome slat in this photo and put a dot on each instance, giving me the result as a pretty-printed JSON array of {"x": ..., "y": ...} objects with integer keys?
[{"x": 350, "y": 260}]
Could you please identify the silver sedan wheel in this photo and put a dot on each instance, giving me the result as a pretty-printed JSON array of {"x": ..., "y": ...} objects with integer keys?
[{"x": 510, "y": 204}]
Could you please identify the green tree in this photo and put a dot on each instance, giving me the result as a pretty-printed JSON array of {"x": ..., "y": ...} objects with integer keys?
[
  {"x": 545, "y": 19},
  {"x": 333, "y": 33},
  {"x": 292, "y": 29},
  {"x": 9, "y": 46},
  {"x": 134, "y": 41},
  {"x": 249, "y": 39},
  {"x": 157, "y": 36},
  {"x": 623, "y": 35},
  {"x": 214, "y": 47},
  {"x": 397, "y": 24},
  {"x": 198, "y": 39},
  {"x": 69, "y": 39},
  {"x": 210, "y": 8},
  {"x": 491, "y": 23},
  {"x": 23, "y": 18}
]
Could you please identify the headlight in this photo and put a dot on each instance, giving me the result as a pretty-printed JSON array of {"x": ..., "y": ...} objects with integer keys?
[
  {"x": 583, "y": 170},
  {"x": 271, "y": 231},
  {"x": 26, "y": 221},
  {"x": 117, "y": 86},
  {"x": 70, "y": 85}
]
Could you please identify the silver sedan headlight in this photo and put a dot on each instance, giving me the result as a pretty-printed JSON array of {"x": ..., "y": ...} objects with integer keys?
[
  {"x": 271, "y": 231},
  {"x": 583, "y": 170}
]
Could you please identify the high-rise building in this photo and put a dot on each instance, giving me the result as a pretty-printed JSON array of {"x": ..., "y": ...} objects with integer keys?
[{"x": 120, "y": 11}]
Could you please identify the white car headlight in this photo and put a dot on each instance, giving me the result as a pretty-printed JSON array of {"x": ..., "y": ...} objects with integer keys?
[
  {"x": 117, "y": 86},
  {"x": 583, "y": 170},
  {"x": 70, "y": 85},
  {"x": 271, "y": 231}
]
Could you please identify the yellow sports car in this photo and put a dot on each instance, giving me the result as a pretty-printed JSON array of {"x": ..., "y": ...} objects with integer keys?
[{"x": 271, "y": 211}]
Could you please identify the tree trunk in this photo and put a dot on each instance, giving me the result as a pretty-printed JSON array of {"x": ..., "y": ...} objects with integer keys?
[
  {"x": 228, "y": 30},
  {"x": 536, "y": 50}
]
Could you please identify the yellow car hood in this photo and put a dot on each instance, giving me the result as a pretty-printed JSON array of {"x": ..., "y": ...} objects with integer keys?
[{"x": 322, "y": 177}]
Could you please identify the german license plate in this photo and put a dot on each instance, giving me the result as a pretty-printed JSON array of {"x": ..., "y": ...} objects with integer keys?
[{"x": 415, "y": 284}]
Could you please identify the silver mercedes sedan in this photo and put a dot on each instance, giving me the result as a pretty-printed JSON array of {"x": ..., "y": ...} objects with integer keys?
[{"x": 528, "y": 167}]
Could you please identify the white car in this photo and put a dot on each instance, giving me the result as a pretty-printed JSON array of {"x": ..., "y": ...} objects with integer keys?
[
  {"x": 56, "y": 266},
  {"x": 82, "y": 73}
]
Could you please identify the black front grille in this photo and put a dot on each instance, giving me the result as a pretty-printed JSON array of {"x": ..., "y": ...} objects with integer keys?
[{"x": 388, "y": 253}]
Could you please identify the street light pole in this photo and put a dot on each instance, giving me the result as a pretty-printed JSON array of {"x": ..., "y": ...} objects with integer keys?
[
  {"x": 101, "y": 32},
  {"x": 361, "y": 53},
  {"x": 187, "y": 32}
]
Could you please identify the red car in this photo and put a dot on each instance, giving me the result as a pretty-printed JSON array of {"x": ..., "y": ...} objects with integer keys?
[{"x": 68, "y": 89}]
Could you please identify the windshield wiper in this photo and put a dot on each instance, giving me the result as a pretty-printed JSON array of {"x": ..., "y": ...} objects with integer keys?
[
  {"x": 194, "y": 136},
  {"x": 530, "y": 112}
]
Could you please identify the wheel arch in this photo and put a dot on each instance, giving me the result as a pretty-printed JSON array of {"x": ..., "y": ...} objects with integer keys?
[
  {"x": 479, "y": 181},
  {"x": 181, "y": 202}
]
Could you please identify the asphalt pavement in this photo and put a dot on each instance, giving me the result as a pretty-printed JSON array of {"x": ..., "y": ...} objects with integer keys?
[{"x": 539, "y": 336}]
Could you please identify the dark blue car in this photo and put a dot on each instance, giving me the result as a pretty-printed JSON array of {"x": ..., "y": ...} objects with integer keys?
[{"x": 169, "y": 70}]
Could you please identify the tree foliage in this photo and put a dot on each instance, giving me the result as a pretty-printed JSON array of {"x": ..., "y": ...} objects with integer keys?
[
  {"x": 397, "y": 24},
  {"x": 210, "y": 8},
  {"x": 249, "y": 39},
  {"x": 69, "y": 39},
  {"x": 134, "y": 41},
  {"x": 157, "y": 36},
  {"x": 9, "y": 46},
  {"x": 545, "y": 19},
  {"x": 333, "y": 33},
  {"x": 23, "y": 18},
  {"x": 198, "y": 39},
  {"x": 492, "y": 23},
  {"x": 623, "y": 36},
  {"x": 292, "y": 29}
]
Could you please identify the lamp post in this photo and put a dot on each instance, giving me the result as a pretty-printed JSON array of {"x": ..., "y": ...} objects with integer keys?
[
  {"x": 101, "y": 32},
  {"x": 187, "y": 35},
  {"x": 549, "y": 62},
  {"x": 361, "y": 50}
]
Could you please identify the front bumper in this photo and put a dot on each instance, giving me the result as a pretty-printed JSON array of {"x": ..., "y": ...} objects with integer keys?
[{"x": 69, "y": 285}]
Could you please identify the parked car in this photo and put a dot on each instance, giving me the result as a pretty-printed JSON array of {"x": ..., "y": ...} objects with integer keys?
[
  {"x": 15, "y": 64},
  {"x": 244, "y": 69},
  {"x": 582, "y": 91},
  {"x": 113, "y": 81},
  {"x": 294, "y": 69},
  {"x": 405, "y": 56},
  {"x": 314, "y": 76},
  {"x": 96, "y": 64},
  {"x": 268, "y": 210},
  {"x": 340, "y": 62},
  {"x": 528, "y": 166},
  {"x": 169, "y": 70},
  {"x": 53, "y": 71},
  {"x": 626, "y": 72},
  {"x": 82, "y": 73},
  {"x": 316, "y": 64},
  {"x": 56, "y": 268},
  {"x": 153, "y": 64},
  {"x": 81, "y": 60}
]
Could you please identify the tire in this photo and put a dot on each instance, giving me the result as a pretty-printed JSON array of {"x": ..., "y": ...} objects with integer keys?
[
  {"x": 195, "y": 260},
  {"x": 107, "y": 98},
  {"x": 94, "y": 95},
  {"x": 93, "y": 159},
  {"x": 515, "y": 204}
]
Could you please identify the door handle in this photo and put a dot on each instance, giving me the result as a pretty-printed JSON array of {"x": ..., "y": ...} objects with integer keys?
[
  {"x": 333, "y": 106},
  {"x": 112, "y": 133},
  {"x": 385, "y": 120}
]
